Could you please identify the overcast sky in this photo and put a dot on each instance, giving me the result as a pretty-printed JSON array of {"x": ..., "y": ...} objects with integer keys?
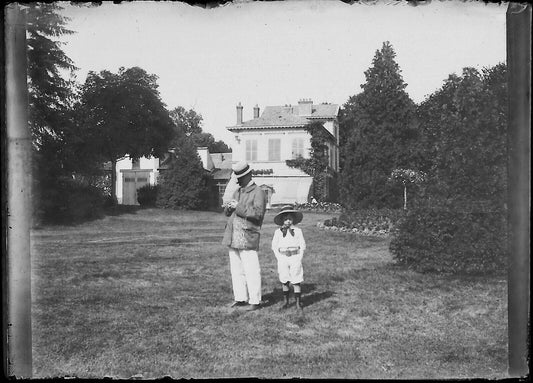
[{"x": 275, "y": 53}]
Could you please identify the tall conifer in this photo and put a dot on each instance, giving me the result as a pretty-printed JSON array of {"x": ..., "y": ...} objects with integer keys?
[
  {"x": 378, "y": 131},
  {"x": 185, "y": 184}
]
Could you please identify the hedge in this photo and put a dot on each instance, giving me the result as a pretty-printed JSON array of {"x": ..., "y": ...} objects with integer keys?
[
  {"x": 451, "y": 241},
  {"x": 69, "y": 201}
]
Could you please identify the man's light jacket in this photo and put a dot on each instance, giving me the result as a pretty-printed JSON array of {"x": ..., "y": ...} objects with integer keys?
[{"x": 251, "y": 209}]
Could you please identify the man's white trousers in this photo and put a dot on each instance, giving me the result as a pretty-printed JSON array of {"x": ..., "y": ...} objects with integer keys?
[{"x": 245, "y": 275}]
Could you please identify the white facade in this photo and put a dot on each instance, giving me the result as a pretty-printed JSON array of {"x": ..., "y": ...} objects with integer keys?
[
  {"x": 290, "y": 185},
  {"x": 146, "y": 168},
  {"x": 267, "y": 142}
]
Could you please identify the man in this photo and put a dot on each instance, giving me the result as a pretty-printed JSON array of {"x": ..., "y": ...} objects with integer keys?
[{"x": 246, "y": 212}]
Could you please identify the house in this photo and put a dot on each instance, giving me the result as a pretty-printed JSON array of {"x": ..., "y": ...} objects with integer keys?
[
  {"x": 219, "y": 165},
  {"x": 277, "y": 135},
  {"x": 131, "y": 174}
]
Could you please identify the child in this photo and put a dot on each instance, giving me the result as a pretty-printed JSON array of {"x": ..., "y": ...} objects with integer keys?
[{"x": 288, "y": 246}]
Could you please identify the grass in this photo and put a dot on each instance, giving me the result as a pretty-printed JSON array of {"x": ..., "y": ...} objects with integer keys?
[{"x": 147, "y": 294}]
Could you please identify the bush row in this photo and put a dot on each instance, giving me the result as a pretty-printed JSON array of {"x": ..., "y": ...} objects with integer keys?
[
  {"x": 451, "y": 241},
  {"x": 69, "y": 201}
]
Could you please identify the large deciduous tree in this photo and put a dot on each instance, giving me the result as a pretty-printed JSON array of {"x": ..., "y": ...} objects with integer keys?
[
  {"x": 123, "y": 114},
  {"x": 187, "y": 121},
  {"x": 464, "y": 125},
  {"x": 189, "y": 124},
  {"x": 378, "y": 134},
  {"x": 460, "y": 225}
]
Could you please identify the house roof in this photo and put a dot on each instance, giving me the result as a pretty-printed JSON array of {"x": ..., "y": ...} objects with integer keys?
[
  {"x": 288, "y": 116},
  {"x": 222, "y": 174},
  {"x": 221, "y": 160}
]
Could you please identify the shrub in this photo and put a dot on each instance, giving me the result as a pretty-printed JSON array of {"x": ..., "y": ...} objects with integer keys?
[
  {"x": 451, "y": 241},
  {"x": 147, "y": 195},
  {"x": 69, "y": 201}
]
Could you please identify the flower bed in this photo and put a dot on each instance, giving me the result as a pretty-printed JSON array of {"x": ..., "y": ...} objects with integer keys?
[
  {"x": 364, "y": 222},
  {"x": 329, "y": 207}
]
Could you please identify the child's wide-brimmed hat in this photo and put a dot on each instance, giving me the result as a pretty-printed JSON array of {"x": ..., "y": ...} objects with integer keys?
[{"x": 297, "y": 216}]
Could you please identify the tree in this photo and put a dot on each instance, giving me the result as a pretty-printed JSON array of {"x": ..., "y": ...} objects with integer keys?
[
  {"x": 317, "y": 163},
  {"x": 50, "y": 94},
  {"x": 379, "y": 131},
  {"x": 188, "y": 121},
  {"x": 405, "y": 177},
  {"x": 207, "y": 140},
  {"x": 464, "y": 126},
  {"x": 461, "y": 223},
  {"x": 185, "y": 184},
  {"x": 58, "y": 148},
  {"x": 122, "y": 114},
  {"x": 189, "y": 124}
]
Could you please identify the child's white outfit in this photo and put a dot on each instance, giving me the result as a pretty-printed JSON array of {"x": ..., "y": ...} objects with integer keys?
[{"x": 289, "y": 248}]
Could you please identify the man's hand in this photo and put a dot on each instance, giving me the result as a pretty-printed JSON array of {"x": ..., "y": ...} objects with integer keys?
[{"x": 231, "y": 205}]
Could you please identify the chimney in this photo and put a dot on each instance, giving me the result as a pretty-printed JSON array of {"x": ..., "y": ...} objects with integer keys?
[
  {"x": 305, "y": 107},
  {"x": 256, "y": 111},
  {"x": 239, "y": 114}
]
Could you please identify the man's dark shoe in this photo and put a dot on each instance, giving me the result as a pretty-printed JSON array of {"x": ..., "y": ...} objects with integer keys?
[
  {"x": 285, "y": 306},
  {"x": 253, "y": 307},
  {"x": 239, "y": 304}
]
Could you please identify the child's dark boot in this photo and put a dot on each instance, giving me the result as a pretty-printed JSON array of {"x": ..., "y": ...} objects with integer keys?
[
  {"x": 299, "y": 304},
  {"x": 286, "y": 296}
]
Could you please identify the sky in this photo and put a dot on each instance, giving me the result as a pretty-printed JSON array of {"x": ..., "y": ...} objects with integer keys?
[{"x": 276, "y": 53}]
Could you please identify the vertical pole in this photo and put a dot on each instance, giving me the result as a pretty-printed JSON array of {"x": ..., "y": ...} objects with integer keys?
[
  {"x": 19, "y": 342},
  {"x": 114, "y": 182},
  {"x": 519, "y": 157},
  {"x": 404, "y": 196}
]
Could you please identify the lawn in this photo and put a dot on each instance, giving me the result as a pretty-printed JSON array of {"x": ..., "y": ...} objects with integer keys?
[{"x": 147, "y": 294}]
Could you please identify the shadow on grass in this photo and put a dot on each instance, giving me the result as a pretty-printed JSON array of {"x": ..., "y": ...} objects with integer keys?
[
  {"x": 122, "y": 209},
  {"x": 308, "y": 300},
  {"x": 308, "y": 297}
]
